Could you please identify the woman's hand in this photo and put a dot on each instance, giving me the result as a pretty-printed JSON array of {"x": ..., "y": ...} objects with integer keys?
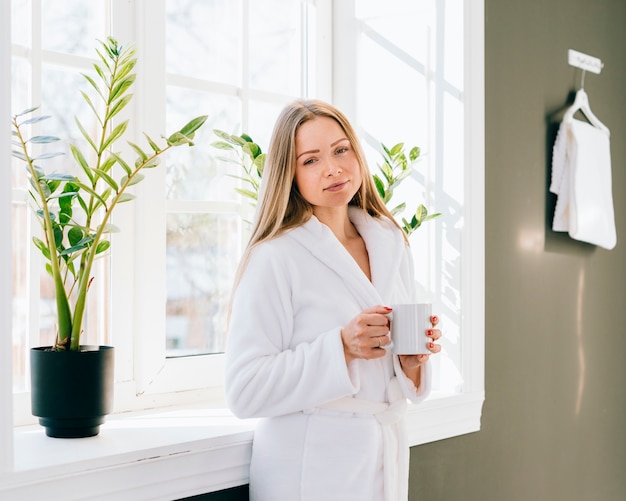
[
  {"x": 366, "y": 334},
  {"x": 412, "y": 364}
]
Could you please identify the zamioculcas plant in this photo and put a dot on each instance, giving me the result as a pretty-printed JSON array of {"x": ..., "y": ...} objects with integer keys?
[
  {"x": 396, "y": 167},
  {"x": 75, "y": 212}
]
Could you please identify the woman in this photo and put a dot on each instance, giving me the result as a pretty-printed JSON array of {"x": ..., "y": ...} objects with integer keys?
[{"x": 309, "y": 331}]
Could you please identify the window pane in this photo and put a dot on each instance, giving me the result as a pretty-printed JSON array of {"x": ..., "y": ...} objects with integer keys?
[
  {"x": 72, "y": 26},
  {"x": 210, "y": 47},
  {"x": 204, "y": 39},
  {"x": 197, "y": 173},
  {"x": 21, "y": 307},
  {"x": 20, "y": 22},
  {"x": 202, "y": 254},
  {"x": 422, "y": 107},
  {"x": 275, "y": 46}
]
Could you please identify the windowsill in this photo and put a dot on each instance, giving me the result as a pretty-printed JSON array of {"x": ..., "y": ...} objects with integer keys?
[{"x": 178, "y": 453}]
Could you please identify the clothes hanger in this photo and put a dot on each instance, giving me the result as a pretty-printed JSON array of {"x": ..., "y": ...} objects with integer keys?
[{"x": 581, "y": 103}]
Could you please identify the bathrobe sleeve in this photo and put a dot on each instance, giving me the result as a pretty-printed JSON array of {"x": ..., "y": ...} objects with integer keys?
[{"x": 266, "y": 376}]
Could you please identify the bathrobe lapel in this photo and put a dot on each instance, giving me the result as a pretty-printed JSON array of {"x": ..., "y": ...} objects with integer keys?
[{"x": 385, "y": 246}]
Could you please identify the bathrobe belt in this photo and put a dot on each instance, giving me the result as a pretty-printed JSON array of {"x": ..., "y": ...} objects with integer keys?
[{"x": 395, "y": 443}]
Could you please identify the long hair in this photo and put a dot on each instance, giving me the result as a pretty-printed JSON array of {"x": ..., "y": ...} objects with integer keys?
[{"x": 280, "y": 205}]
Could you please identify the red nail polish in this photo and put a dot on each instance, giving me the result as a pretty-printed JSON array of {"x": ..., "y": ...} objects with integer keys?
[
  {"x": 431, "y": 345},
  {"x": 430, "y": 332},
  {"x": 435, "y": 319},
  {"x": 388, "y": 308}
]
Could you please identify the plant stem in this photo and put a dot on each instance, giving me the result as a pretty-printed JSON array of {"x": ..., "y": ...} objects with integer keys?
[{"x": 64, "y": 314}]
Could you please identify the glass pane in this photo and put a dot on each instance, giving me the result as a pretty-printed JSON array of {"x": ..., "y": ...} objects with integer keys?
[
  {"x": 422, "y": 107},
  {"x": 72, "y": 26},
  {"x": 62, "y": 101},
  {"x": 202, "y": 254},
  {"x": 20, "y": 248},
  {"x": 20, "y": 22},
  {"x": 203, "y": 39},
  {"x": 197, "y": 173},
  {"x": 275, "y": 46}
]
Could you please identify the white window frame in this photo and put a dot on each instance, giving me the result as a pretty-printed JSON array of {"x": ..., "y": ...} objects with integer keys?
[{"x": 223, "y": 451}]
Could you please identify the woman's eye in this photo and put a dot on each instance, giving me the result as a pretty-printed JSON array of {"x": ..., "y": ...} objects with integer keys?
[
  {"x": 309, "y": 161},
  {"x": 341, "y": 150}
]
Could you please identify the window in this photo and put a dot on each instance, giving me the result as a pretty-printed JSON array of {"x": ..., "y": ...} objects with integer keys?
[{"x": 399, "y": 77}]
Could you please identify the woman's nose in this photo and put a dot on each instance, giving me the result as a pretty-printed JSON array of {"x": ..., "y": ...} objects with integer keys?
[{"x": 333, "y": 168}]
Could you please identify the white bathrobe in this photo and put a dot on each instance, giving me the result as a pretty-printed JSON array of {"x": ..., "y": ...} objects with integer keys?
[{"x": 285, "y": 362}]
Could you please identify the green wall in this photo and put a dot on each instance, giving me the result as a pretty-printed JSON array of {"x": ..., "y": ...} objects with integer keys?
[{"x": 554, "y": 419}]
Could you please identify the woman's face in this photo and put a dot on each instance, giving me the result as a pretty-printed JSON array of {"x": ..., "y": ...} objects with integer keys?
[{"x": 327, "y": 171}]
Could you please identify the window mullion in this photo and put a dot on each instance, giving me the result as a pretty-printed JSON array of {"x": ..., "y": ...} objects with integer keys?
[{"x": 150, "y": 216}]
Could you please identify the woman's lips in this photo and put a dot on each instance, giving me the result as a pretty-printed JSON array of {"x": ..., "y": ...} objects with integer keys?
[{"x": 336, "y": 186}]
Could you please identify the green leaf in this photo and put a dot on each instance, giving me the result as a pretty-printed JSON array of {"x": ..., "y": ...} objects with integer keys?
[
  {"x": 41, "y": 245},
  {"x": 379, "y": 185},
  {"x": 396, "y": 149},
  {"x": 152, "y": 163},
  {"x": 107, "y": 179},
  {"x": 102, "y": 246},
  {"x": 93, "y": 193},
  {"x": 35, "y": 120},
  {"x": 137, "y": 178},
  {"x": 252, "y": 149},
  {"x": 80, "y": 247},
  {"x": 193, "y": 125},
  {"x": 57, "y": 176},
  {"x": 414, "y": 153},
  {"x": 95, "y": 86},
  {"x": 120, "y": 87},
  {"x": 75, "y": 235},
  {"x": 27, "y": 111},
  {"x": 108, "y": 163},
  {"x": 178, "y": 139},
  {"x": 99, "y": 70},
  {"x": 80, "y": 160},
  {"x": 93, "y": 108},
  {"x": 222, "y": 145},
  {"x": 121, "y": 161},
  {"x": 58, "y": 236},
  {"x": 247, "y": 193},
  {"x": 119, "y": 106},
  {"x": 153, "y": 145},
  {"x": 85, "y": 134},
  {"x": 42, "y": 139},
  {"x": 116, "y": 133},
  {"x": 19, "y": 154},
  {"x": 44, "y": 156},
  {"x": 127, "y": 67},
  {"x": 125, "y": 197},
  {"x": 421, "y": 212},
  {"x": 142, "y": 154}
]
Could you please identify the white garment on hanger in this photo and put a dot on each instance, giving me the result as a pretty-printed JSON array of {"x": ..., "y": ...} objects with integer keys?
[{"x": 581, "y": 179}]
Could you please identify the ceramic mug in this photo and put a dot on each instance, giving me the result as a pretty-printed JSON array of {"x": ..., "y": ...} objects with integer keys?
[{"x": 409, "y": 323}]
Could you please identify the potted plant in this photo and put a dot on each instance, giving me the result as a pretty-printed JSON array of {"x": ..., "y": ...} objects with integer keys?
[
  {"x": 394, "y": 169},
  {"x": 75, "y": 215}
]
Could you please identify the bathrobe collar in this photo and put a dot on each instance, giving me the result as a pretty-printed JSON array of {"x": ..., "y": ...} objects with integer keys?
[{"x": 385, "y": 246}]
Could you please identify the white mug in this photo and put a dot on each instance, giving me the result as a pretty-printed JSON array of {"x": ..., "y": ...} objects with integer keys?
[{"x": 409, "y": 323}]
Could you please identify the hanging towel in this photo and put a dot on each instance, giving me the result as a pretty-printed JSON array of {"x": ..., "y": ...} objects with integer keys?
[{"x": 581, "y": 179}]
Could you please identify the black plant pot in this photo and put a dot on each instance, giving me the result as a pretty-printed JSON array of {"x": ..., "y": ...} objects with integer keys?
[{"x": 72, "y": 391}]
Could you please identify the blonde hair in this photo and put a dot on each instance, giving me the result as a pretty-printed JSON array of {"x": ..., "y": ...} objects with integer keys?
[{"x": 280, "y": 205}]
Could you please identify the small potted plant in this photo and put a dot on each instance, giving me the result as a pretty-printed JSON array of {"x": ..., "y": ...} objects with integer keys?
[{"x": 72, "y": 384}]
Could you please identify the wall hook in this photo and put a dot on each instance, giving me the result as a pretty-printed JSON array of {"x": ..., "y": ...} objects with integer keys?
[{"x": 585, "y": 62}]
